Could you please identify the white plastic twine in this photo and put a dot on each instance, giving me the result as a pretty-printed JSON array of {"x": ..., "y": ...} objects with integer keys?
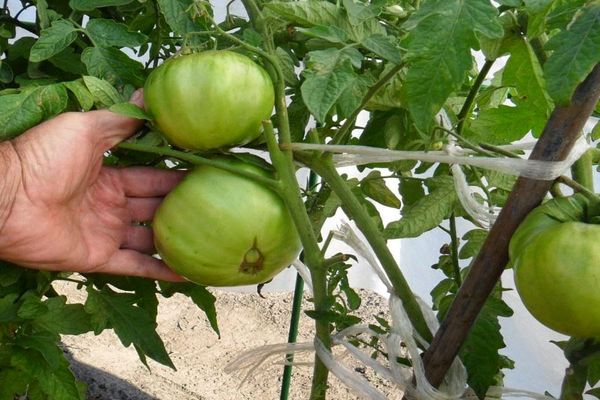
[
  {"x": 350, "y": 155},
  {"x": 401, "y": 341}
]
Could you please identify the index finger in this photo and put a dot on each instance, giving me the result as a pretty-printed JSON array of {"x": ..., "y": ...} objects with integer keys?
[{"x": 148, "y": 181}]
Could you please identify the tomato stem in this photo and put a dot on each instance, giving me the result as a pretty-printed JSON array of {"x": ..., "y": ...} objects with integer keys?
[
  {"x": 355, "y": 210},
  {"x": 197, "y": 160}
]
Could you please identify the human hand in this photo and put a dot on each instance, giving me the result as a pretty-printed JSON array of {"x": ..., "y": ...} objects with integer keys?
[{"x": 71, "y": 213}]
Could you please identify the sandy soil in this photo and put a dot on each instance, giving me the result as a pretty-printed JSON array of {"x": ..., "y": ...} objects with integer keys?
[{"x": 246, "y": 321}]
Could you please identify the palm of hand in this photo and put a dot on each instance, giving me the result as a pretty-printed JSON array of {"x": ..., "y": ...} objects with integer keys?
[{"x": 73, "y": 214}]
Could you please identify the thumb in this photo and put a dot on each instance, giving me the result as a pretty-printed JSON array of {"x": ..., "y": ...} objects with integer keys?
[{"x": 115, "y": 128}]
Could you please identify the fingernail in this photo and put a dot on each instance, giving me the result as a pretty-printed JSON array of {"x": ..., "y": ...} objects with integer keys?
[{"x": 137, "y": 98}]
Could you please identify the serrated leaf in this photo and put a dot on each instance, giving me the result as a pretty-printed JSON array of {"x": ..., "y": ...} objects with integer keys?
[
  {"x": 14, "y": 383},
  {"x": 594, "y": 392},
  {"x": 131, "y": 323},
  {"x": 331, "y": 72},
  {"x": 69, "y": 61},
  {"x": 89, "y": 5},
  {"x": 374, "y": 187},
  {"x": 474, "y": 239},
  {"x": 593, "y": 365},
  {"x": 107, "y": 33},
  {"x": 538, "y": 11},
  {"x": 81, "y": 93},
  {"x": 53, "y": 40},
  {"x": 8, "y": 308},
  {"x": 19, "y": 112},
  {"x": 45, "y": 343},
  {"x": 480, "y": 352},
  {"x": 313, "y": 13},
  {"x": 287, "y": 66},
  {"x": 576, "y": 50},
  {"x": 56, "y": 383},
  {"x": 384, "y": 46},
  {"x": 524, "y": 75},
  {"x": 199, "y": 295},
  {"x": 441, "y": 290},
  {"x": 63, "y": 318},
  {"x": 330, "y": 33},
  {"x": 177, "y": 16},
  {"x": 442, "y": 34},
  {"x": 31, "y": 306},
  {"x": 104, "y": 94},
  {"x": 113, "y": 65},
  {"x": 129, "y": 110},
  {"x": 426, "y": 213}
]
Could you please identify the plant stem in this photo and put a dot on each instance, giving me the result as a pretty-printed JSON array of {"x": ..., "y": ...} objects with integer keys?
[
  {"x": 295, "y": 317},
  {"x": 352, "y": 207},
  {"x": 314, "y": 258},
  {"x": 574, "y": 382},
  {"x": 582, "y": 171},
  {"x": 577, "y": 187},
  {"x": 470, "y": 100},
  {"x": 454, "y": 250},
  {"x": 197, "y": 160},
  {"x": 344, "y": 130}
]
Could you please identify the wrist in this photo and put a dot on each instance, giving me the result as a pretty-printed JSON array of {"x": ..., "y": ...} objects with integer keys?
[{"x": 10, "y": 165}]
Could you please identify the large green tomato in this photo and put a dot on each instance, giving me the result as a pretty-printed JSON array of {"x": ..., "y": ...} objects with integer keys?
[
  {"x": 217, "y": 228},
  {"x": 556, "y": 259},
  {"x": 209, "y": 100}
]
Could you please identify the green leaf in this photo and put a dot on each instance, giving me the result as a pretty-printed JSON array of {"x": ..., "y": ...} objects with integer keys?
[
  {"x": 593, "y": 364},
  {"x": 19, "y": 112},
  {"x": 374, "y": 187},
  {"x": 62, "y": 318},
  {"x": 576, "y": 50},
  {"x": 480, "y": 352},
  {"x": 330, "y": 73},
  {"x": 331, "y": 33},
  {"x": 81, "y": 93},
  {"x": 113, "y": 65},
  {"x": 69, "y": 61},
  {"x": 14, "y": 384},
  {"x": 524, "y": 75},
  {"x": 104, "y": 94},
  {"x": 313, "y": 13},
  {"x": 53, "y": 40},
  {"x": 56, "y": 383},
  {"x": 474, "y": 240},
  {"x": 441, "y": 290},
  {"x": 31, "y": 306},
  {"x": 411, "y": 190},
  {"x": 46, "y": 343},
  {"x": 9, "y": 308},
  {"x": 288, "y": 66},
  {"x": 199, "y": 295},
  {"x": 131, "y": 323},
  {"x": 442, "y": 34},
  {"x": 538, "y": 10},
  {"x": 594, "y": 392},
  {"x": 384, "y": 46},
  {"x": 107, "y": 33},
  {"x": 425, "y": 214},
  {"x": 89, "y": 5},
  {"x": 129, "y": 110},
  {"x": 177, "y": 16}
]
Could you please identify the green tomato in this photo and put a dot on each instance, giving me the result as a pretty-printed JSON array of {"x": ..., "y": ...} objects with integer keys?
[
  {"x": 209, "y": 100},
  {"x": 556, "y": 260},
  {"x": 217, "y": 228}
]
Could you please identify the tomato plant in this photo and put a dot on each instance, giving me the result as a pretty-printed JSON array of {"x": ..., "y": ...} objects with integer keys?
[
  {"x": 556, "y": 258},
  {"x": 407, "y": 75},
  {"x": 209, "y": 100},
  {"x": 217, "y": 228}
]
